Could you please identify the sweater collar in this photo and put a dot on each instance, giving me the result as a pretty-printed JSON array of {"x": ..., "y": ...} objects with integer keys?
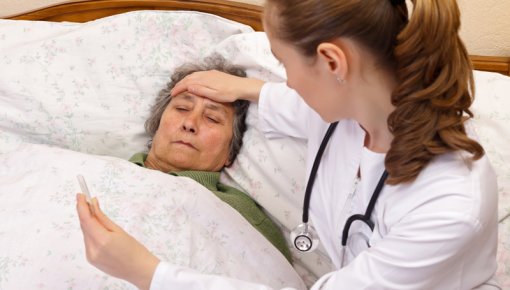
[{"x": 208, "y": 179}]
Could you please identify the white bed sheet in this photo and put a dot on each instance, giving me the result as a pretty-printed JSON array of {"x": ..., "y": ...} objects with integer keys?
[{"x": 175, "y": 217}]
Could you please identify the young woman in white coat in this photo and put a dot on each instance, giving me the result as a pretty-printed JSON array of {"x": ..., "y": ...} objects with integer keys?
[{"x": 404, "y": 197}]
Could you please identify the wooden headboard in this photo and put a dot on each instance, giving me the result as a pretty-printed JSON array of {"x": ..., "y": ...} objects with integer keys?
[
  {"x": 491, "y": 63},
  {"x": 245, "y": 13},
  {"x": 83, "y": 11}
]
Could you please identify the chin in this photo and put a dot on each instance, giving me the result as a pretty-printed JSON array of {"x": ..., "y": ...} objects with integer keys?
[
  {"x": 326, "y": 115},
  {"x": 330, "y": 118},
  {"x": 183, "y": 165}
]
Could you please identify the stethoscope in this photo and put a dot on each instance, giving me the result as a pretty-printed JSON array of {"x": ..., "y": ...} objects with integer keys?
[{"x": 304, "y": 236}]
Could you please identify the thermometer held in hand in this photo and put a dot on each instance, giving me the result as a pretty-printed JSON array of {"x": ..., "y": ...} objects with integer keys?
[{"x": 84, "y": 188}]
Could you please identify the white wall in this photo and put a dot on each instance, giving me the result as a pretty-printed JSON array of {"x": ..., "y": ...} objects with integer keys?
[{"x": 486, "y": 26}]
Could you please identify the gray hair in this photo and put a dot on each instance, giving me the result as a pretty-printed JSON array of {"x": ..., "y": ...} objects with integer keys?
[{"x": 213, "y": 62}]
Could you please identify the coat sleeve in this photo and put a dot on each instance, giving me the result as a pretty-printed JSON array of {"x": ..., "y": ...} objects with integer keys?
[
  {"x": 168, "y": 276},
  {"x": 282, "y": 112}
]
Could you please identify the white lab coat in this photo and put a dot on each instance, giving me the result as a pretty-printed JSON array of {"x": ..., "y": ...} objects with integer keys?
[{"x": 439, "y": 232}]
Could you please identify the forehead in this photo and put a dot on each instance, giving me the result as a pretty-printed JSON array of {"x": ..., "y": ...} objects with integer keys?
[{"x": 227, "y": 108}]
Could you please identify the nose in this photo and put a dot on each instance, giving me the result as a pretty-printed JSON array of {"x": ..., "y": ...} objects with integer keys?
[{"x": 189, "y": 123}]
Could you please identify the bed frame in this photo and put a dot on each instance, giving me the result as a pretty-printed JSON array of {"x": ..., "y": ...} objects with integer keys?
[{"x": 249, "y": 14}]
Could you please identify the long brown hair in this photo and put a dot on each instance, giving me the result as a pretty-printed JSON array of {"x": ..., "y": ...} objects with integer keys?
[{"x": 426, "y": 55}]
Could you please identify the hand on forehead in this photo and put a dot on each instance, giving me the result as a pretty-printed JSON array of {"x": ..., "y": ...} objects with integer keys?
[{"x": 193, "y": 97}]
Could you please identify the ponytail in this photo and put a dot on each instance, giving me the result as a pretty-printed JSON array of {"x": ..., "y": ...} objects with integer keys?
[{"x": 434, "y": 93}]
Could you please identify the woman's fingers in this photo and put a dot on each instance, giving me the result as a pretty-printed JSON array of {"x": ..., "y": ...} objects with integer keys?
[
  {"x": 111, "y": 249},
  {"x": 196, "y": 79},
  {"x": 93, "y": 231},
  {"x": 93, "y": 222},
  {"x": 102, "y": 218},
  {"x": 214, "y": 85},
  {"x": 219, "y": 86},
  {"x": 205, "y": 92},
  {"x": 82, "y": 207},
  {"x": 89, "y": 223}
]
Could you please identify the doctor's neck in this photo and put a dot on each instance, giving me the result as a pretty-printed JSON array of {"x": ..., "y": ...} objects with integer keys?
[{"x": 372, "y": 106}]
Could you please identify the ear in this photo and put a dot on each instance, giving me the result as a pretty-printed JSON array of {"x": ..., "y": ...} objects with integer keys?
[{"x": 334, "y": 59}]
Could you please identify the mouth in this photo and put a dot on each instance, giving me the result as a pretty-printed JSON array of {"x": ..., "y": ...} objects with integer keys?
[{"x": 185, "y": 144}]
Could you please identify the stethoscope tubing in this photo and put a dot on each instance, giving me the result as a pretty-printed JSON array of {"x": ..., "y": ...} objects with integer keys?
[
  {"x": 368, "y": 213},
  {"x": 313, "y": 172},
  {"x": 365, "y": 218}
]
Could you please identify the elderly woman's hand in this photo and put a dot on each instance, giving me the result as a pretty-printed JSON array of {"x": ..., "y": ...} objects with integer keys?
[
  {"x": 111, "y": 249},
  {"x": 220, "y": 87}
]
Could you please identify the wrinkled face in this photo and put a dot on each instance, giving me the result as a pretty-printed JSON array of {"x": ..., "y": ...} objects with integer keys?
[{"x": 194, "y": 134}]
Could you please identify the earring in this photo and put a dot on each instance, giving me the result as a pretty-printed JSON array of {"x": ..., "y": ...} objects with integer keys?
[{"x": 341, "y": 81}]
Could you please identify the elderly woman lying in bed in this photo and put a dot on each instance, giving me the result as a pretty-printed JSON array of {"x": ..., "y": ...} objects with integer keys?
[
  {"x": 196, "y": 137},
  {"x": 186, "y": 217},
  {"x": 179, "y": 210}
]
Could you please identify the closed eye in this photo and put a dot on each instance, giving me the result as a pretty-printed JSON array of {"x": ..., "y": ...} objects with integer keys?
[{"x": 213, "y": 119}]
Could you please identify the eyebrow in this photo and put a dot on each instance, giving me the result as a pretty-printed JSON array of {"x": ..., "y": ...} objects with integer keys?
[
  {"x": 217, "y": 108},
  {"x": 211, "y": 106}
]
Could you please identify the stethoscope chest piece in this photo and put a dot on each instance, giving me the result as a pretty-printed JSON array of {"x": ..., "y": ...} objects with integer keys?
[{"x": 305, "y": 238}]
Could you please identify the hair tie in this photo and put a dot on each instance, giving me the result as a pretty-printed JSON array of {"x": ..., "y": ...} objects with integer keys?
[{"x": 397, "y": 2}]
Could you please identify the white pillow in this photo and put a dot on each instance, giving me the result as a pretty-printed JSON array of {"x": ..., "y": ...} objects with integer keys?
[
  {"x": 88, "y": 87},
  {"x": 492, "y": 124}
]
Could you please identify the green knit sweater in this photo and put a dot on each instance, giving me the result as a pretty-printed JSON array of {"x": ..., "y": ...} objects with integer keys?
[{"x": 237, "y": 199}]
